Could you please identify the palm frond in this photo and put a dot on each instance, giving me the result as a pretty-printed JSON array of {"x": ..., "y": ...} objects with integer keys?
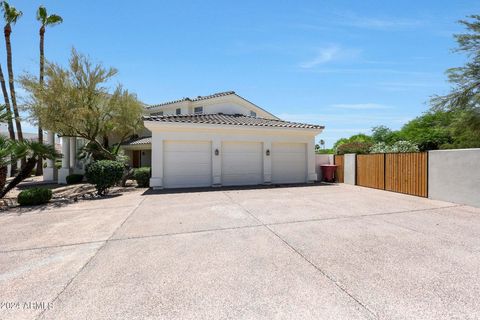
[
  {"x": 42, "y": 15},
  {"x": 5, "y": 151},
  {"x": 53, "y": 20},
  {"x": 33, "y": 149},
  {"x": 4, "y": 114},
  {"x": 10, "y": 13}
]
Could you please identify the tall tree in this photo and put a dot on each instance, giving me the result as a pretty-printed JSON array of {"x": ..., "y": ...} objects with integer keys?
[
  {"x": 76, "y": 102},
  {"x": 45, "y": 21},
  {"x": 5, "y": 148},
  {"x": 7, "y": 111},
  {"x": 8, "y": 119},
  {"x": 464, "y": 98},
  {"x": 11, "y": 16}
]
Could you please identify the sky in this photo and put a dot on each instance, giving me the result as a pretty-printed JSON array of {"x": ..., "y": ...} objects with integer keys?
[{"x": 348, "y": 65}]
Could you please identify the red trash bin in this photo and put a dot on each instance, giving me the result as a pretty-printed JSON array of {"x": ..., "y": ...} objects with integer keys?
[{"x": 328, "y": 172}]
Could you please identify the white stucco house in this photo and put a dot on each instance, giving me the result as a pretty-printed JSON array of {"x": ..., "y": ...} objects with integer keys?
[
  {"x": 216, "y": 140},
  {"x": 223, "y": 140}
]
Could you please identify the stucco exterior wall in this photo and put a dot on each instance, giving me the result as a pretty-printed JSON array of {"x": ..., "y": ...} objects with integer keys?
[
  {"x": 228, "y": 108},
  {"x": 350, "y": 168},
  {"x": 322, "y": 159},
  {"x": 454, "y": 175},
  {"x": 231, "y": 104}
]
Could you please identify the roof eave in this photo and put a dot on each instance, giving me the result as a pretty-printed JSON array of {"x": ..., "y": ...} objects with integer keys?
[{"x": 152, "y": 124}]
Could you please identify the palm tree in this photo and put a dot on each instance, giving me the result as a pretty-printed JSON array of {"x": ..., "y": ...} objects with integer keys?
[
  {"x": 11, "y": 16},
  {"x": 322, "y": 143},
  {"x": 33, "y": 151},
  {"x": 5, "y": 148},
  {"x": 45, "y": 21},
  {"x": 7, "y": 117},
  {"x": 6, "y": 111}
]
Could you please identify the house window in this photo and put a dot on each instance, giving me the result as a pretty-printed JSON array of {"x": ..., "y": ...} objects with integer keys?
[
  {"x": 178, "y": 111},
  {"x": 253, "y": 114},
  {"x": 198, "y": 110},
  {"x": 159, "y": 113}
]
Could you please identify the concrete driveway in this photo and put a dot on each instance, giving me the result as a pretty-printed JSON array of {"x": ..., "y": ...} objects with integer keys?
[{"x": 312, "y": 252}]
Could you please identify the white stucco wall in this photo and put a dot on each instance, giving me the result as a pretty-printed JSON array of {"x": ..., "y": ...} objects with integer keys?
[
  {"x": 350, "y": 168},
  {"x": 322, "y": 159},
  {"x": 231, "y": 104},
  {"x": 227, "y": 108},
  {"x": 454, "y": 175}
]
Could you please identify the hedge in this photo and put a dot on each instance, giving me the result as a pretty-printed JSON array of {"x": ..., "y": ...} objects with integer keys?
[
  {"x": 74, "y": 178},
  {"x": 34, "y": 196},
  {"x": 142, "y": 176},
  {"x": 104, "y": 174}
]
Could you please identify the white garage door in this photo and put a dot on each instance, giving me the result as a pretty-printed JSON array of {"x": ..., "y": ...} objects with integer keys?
[
  {"x": 242, "y": 163},
  {"x": 187, "y": 164},
  {"x": 289, "y": 162}
]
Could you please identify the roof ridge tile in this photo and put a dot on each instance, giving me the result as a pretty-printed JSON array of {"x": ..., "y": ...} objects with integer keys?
[{"x": 198, "y": 98}]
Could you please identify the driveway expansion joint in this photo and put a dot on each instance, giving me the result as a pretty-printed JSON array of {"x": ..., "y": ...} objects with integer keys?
[
  {"x": 361, "y": 215},
  {"x": 90, "y": 259},
  {"x": 133, "y": 238},
  {"x": 324, "y": 273}
]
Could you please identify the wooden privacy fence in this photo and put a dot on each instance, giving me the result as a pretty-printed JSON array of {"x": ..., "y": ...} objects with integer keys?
[
  {"x": 407, "y": 173},
  {"x": 371, "y": 170},
  {"x": 398, "y": 172},
  {"x": 339, "y": 173}
]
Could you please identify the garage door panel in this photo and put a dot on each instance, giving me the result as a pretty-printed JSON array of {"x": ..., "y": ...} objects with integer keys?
[
  {"x": 289, "y": 147},
  {"x": 187, "y": 169},
  {"x": 290, "y": 157},
  {"x": 241, "y": 179},
  {"x": 174, "y": 158},
  {"x": 187, "y": 164},
  {"x": 289, "y": 163},
  {"x": 242, "y": 147},
  {"x": 186, "y": 181},
  {"x": 186, "y": 146},
  {"x": 242, "y": 163}
]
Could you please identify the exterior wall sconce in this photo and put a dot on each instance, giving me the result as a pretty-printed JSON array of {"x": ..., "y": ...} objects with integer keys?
[
  {"x": 267, "y": 152},
  {"x": 217, "y": 152}
]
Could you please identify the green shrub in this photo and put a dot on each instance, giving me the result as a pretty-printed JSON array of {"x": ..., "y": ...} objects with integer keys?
[
  {"x": 142, "y": 176},
  {"x": 354, "y": 147},
  {"x": 74, "y": 178},
  {"x": 34, "y": 196},
  {"x": 104, "y": 174}
]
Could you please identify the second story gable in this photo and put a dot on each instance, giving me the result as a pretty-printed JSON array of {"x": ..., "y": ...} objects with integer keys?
[{"x": 224, "y": 102}]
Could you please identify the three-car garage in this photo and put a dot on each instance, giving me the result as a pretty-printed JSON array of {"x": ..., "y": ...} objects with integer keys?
[
  {"x": 189, "y": 163},
  {"x": 202, "y": 155}
]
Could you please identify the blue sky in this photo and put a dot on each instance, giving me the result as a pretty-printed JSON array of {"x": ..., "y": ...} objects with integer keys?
[{"x": 349, "y": 65}]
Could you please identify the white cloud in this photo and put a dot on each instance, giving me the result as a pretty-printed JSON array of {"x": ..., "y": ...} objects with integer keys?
[
  {"x": 351, "y": 19},
  {"x": 350, "y": 119},
  {"x": 367, "y": 71},
  {"x": 329, "y": 54},
  {"x": 361, "y": 106}
]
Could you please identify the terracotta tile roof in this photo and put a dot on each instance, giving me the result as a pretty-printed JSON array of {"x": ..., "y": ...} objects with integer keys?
[
  {"x": 142, "y": 140},
  {"x": 211, "y": 96},
  {"x": 231, "y": 119}
]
